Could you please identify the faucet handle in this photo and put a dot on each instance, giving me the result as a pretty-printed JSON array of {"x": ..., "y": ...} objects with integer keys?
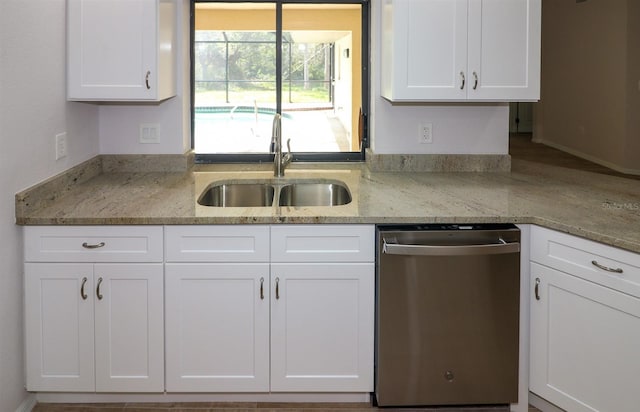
[{"x": 287, "y": 158}]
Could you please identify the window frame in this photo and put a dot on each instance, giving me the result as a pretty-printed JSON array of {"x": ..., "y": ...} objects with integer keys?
[{"x": 358, "y": 156}]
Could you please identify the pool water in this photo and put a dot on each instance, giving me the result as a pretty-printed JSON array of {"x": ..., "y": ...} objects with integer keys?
[{"x": 244, "y": 129}]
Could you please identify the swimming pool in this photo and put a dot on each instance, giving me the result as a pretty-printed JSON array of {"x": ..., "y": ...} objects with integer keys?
[
  {"x": 235, "y": 129},
  {"x": 247, "y": 129}
]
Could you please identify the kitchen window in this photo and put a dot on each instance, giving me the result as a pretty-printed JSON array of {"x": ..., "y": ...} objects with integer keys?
[{"x": 303, "y": 59}]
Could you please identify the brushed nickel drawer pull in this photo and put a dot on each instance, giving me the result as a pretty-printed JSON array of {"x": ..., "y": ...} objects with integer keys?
[
  {"x": 83, "y": 295},
  {"x": 98, "y": 294},
  {"x": 277, "y": 288},
  {"x": 261, "y": 288},
  {"x": 146, "y": 79},
  {"x": 537, "y": 289},
  {"x": 463, "y": 80},
  {"x": 608, "y": 269},
  {"x": 94, "y": 246},
  {"x": 475, "y": 83}
]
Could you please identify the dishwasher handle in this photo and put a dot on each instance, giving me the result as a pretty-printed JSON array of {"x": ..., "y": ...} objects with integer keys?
[{"x": 456, "y": 250}]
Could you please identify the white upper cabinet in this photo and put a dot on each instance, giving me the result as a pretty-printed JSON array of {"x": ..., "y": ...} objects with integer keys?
[
  {"x": 461, "y": 50},
  {"x": 121, "y": 50}
]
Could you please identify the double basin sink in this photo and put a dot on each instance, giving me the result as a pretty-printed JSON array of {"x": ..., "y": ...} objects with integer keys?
[{"x": 269, "y": 192}]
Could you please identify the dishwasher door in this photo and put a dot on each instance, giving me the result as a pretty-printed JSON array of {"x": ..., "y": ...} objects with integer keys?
[{"x": 447, "y": 315}]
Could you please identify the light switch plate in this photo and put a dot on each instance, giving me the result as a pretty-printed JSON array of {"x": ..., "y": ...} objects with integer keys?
[
  {"x": 149, "y": 133},
  {"x": 61, "y": 145}
]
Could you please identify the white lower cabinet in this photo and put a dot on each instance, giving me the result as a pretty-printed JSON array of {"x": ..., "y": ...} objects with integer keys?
[
  {"x": 322, "y": 308},
  {"x": 120, "y": 304},
  {"x": 322, "y": 327},
  {"x": 249, "y": 308},
  {"x": 217, "y": 327},
  {"x": 584, "y": 335},
  {"x": 92, "y": 325},
  {"x": 245, "y": 322}
]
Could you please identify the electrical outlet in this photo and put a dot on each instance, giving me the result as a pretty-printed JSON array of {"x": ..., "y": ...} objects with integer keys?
[
  {"x": 149, "y": 133},
  {"x": 425, "y": 133},
  {"x": 61, "y": 145}
]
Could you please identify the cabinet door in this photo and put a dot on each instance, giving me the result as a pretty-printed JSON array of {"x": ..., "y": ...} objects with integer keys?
[
  {"x": 504, "y": 50},
  {"x": 584, "y": 343},
  {"x": 322, "y": 327},
  {"x": 112, "y": 49},
  {"x": 217, "y": 327},
  {"x": 424, "y": 50},
  {"x": 59, "y": 327},
  {"x": 129, "y": 328}
]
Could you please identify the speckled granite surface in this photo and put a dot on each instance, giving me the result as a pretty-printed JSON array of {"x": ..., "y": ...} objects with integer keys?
[
  {"x": 597, "y": 207},
  {"x": 437, "y": 163}
]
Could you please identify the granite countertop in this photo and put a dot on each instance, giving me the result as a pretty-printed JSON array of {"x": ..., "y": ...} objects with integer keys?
[{"x": 597, "y": 207}]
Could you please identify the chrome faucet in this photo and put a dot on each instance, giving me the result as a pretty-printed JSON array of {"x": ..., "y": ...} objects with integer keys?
[{"x": 280, "y": 162}]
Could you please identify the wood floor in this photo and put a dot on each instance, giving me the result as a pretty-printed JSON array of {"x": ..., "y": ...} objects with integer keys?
[
  {"x": 521, "y": 147},
  {"x": 246, "y": 407}
]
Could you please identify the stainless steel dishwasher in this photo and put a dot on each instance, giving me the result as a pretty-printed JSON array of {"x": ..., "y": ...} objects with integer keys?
[{"x": 447, "y": 315}]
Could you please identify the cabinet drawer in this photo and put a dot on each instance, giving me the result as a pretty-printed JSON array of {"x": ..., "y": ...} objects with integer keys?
[
  {"x": 322, "y": 243},
  {"x": 581, "y": 257},
  {"x": 217, "y": 243},
  {"x": 93, "y": 243}
]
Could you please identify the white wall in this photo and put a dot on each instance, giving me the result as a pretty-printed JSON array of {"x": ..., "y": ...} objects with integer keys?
[
  {"x": 33, "y": 109},
  {"x": 460, "y": 128},
  {"x": 463, "y": 129}
]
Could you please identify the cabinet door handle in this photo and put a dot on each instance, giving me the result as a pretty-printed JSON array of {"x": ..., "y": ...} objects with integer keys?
[
  {"x": 83, "y": 295},
  {"x": 475, "y": 80},
  {"x": 537, "y": 289},
  {"x": 261, "y": 288},
  {"x": 98, "y": 294},
  {"x": 463, "y": 80},
  {"x": 146, "y": 79},
  {"x": 93, "y": 246},
  {"x": 607, "y": 268},
  {"x": 277, "y": 288}
]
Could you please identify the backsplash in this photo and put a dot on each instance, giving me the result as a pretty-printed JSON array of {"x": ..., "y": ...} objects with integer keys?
[{"x": 437, "y": 162}]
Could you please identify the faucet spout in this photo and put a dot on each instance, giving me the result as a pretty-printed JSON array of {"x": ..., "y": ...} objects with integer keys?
[{"x": 280, "y": 162}]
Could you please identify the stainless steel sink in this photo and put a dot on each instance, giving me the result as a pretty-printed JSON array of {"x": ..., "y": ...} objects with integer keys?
[
  {"x": 238, "y": 195},
  {"x": 288, "y": 192},
  {"x": 314, "y": 194}
]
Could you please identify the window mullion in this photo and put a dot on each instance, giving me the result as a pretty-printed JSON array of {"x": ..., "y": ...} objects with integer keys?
[{"x": 279, "y": 57}]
